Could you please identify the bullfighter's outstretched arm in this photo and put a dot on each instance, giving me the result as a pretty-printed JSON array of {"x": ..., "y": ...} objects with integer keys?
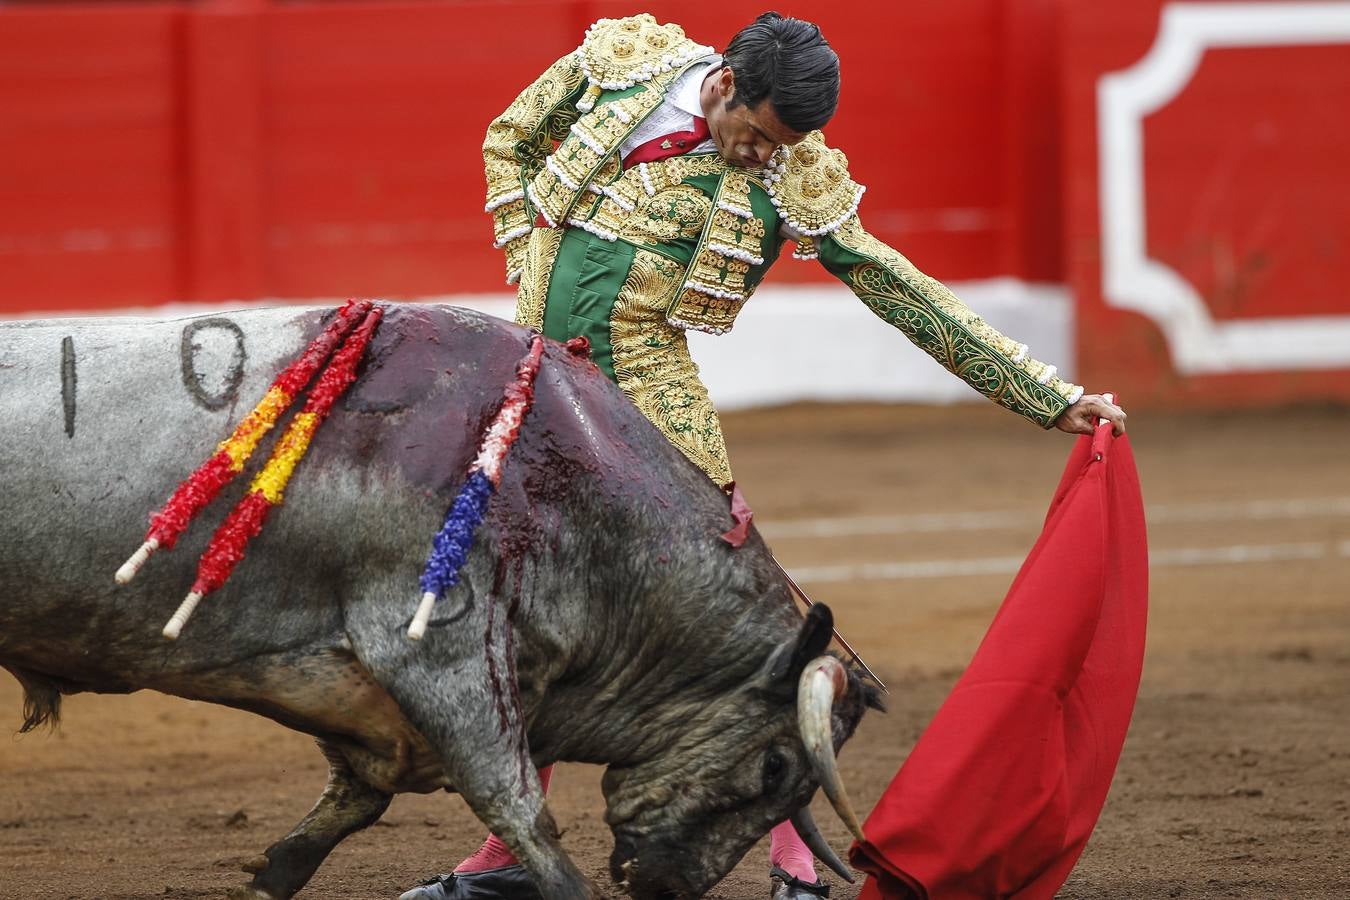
[
  {"x": 517, "y": 143},
  {"x": 819, "y": 202},
  {"x": 942, "y": 326}
]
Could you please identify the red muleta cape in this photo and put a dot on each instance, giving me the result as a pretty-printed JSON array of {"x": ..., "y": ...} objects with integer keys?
[{"x": 1004, "y": 787}]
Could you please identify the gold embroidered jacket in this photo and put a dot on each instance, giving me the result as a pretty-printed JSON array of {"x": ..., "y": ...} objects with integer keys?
[{"x": 695, "y": 236}]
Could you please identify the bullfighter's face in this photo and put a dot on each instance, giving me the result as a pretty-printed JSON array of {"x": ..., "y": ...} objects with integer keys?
[
  {"x": 683, "y": 820},
  {"x": 745, "y": 136}
]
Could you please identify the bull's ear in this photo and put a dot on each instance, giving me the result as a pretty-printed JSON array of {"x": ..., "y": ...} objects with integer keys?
[{"x": 816, "y": 632}]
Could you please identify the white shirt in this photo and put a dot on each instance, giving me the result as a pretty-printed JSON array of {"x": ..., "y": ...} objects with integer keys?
[{"x": 677, "y": 110}]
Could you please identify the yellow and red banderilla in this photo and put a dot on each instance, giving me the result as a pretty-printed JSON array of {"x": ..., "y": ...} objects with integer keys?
[
  {"x": 352, "y": 327},
  {"x": 246, "y": 520},
  {"x": 202, "y": 486}
]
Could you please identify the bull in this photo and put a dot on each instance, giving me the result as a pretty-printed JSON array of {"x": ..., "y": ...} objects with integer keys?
[{"x": 599, "y": 618}]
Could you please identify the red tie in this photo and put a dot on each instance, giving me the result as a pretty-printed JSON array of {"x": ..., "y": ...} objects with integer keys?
[{"x": 668, "y": 145}]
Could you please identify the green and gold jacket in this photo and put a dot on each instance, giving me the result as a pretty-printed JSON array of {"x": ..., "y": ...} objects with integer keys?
[{"x": 631, "y": 258}]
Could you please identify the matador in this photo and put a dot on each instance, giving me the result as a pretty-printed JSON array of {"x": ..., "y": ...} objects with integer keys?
[{"x": 643, "y": 186}]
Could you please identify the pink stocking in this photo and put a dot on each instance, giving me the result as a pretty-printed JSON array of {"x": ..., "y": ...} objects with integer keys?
[
  {"x": 787, "y": 852},
  {"x": 494, "y": 854}
]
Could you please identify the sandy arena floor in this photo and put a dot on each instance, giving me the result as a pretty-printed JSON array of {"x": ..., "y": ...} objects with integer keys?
[{"x": 1235, "y": 781}]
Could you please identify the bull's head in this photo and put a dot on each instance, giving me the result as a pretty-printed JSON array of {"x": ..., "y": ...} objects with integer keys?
[{"x": 745, "y": 762}]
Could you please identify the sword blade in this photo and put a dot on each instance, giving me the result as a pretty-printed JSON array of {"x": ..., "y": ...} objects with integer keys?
[{"x": 837, "y": 636}]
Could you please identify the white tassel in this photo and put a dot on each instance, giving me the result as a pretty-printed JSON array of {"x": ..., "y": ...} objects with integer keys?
[
  {"x": 133, "y": 565},
  {"x": 180, "y": 618},
  {"x": 423, "y": 615}
]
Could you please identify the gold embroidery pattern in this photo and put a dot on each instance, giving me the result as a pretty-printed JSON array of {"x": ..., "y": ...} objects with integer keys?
[
  {"x": 716, "y": 287},
  {"x": 515, "y": 147},
  {"x": 511, "y": 225},
  {"x": 515, "y": 138},
  {"x": 608, "y": 172},
  {"x": 541, "y": 251},
  {"x": 619, "y": 53},
  {"x": 806, "y": 248},
  {"x": 649, "y": 203},
  {"x": 516, "y": 251},
  {"x": 946, "y": 329},
  {"x": 653, "y": 366},
  {"x": 555, "y": 189},
  {"x": 676, "y": 169},
  {"x": 810, "y": 185},
  {"x": 733, "y": 234},
  {"x": 672, "y": 214}
]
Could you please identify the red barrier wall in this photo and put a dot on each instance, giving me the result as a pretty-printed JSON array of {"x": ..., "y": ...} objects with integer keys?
[
  {"x": 92, "y": 161},
  {"x": 235, "y": 150},
  {"x": 241, "y": 149},
  {"x": 1207, "y": 197}
]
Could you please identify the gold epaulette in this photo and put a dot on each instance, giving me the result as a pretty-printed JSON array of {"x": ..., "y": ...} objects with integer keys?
[
  {"x": 809, "y": 184},
  {"x": 619, "y": 53}
]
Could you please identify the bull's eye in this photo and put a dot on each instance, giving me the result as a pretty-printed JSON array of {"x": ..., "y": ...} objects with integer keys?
[{"x": 774, "y": 768}]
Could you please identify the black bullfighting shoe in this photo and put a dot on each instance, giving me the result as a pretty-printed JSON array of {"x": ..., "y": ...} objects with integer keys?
[
  {"x": 783, "y": 886},
  {"x": 506, "y": 883}
]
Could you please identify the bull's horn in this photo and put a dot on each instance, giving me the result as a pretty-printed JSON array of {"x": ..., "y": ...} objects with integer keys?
[
  {"x": 816, "y": 843},
  {"x": 822, "y": 680}
]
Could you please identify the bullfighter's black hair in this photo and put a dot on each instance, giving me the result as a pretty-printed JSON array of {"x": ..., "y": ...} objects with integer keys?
[{"x": 788, "y": 62}]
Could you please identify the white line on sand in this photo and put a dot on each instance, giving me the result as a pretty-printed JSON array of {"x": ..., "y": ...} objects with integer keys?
[
  {"x": 1001, "y": 565},
  {"x": 908, "y": 523}
]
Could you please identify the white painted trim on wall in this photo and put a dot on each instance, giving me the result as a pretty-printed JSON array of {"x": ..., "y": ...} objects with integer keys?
[
  {"x": 819, "y": 342},
  {"x": 1133, "y": 281}
]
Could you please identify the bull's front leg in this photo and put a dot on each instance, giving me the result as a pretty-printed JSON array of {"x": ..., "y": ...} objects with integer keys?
[
  {"x": 347, "y": 805},
  {"x": 457, "y": 686},
  {"x": 486, "y": 759}
]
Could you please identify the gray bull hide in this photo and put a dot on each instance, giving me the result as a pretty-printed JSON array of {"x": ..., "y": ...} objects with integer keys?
[{"x": 600, "y": 618}]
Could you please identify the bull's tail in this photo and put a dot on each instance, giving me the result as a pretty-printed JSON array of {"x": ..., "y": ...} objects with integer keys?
[{"x": 41, "y": 700}]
